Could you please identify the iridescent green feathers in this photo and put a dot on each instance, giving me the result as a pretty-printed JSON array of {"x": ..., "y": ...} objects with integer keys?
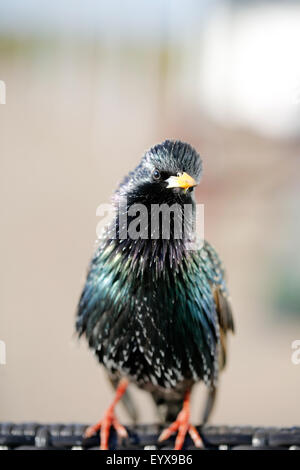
[{"x": 168, "y": 316}]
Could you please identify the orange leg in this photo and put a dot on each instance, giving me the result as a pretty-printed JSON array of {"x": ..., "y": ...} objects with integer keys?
[
  {"x": 109, "y": 419},
  {"x": 182, "y": 426}
]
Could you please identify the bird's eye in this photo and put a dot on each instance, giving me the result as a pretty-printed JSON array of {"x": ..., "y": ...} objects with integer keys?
[{"x": 156, "y": 175}]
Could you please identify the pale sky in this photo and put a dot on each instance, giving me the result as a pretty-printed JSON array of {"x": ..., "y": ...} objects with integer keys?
[{"x": 141, "y": 18}]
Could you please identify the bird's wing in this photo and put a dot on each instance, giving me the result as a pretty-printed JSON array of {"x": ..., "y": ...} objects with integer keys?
[
  {"x": 216, "y": 276},
  {"x": 225, "y": 320},
  {"x": 226, "y": 323}
]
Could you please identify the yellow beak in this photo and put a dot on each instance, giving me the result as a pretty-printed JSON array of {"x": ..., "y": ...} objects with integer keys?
[{"x": 182, "y": 180}]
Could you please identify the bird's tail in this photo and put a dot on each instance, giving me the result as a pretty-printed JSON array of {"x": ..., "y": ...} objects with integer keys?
[
  {"x": 209, "y": 404},
  {"x": 167, "y": 408}
]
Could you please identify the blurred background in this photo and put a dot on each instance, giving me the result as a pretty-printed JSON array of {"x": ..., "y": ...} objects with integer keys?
[{"x": 89, "y": 87}]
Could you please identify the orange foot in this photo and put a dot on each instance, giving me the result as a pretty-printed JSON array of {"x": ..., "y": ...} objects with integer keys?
[
  {"x": 109, "y": 420},
  {"x": 183, "y": 426}
]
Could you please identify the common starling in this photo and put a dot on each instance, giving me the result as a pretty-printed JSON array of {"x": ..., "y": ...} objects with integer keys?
[{"x": 154, "y": 310}]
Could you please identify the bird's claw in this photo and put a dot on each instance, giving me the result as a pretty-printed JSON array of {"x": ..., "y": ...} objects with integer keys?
[
  {"x": 182, "y": 426},
  {"x": 104, "y": 426}
]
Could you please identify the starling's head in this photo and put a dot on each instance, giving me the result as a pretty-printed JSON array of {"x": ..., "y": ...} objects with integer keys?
[{"x": 167, "y": 173}]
